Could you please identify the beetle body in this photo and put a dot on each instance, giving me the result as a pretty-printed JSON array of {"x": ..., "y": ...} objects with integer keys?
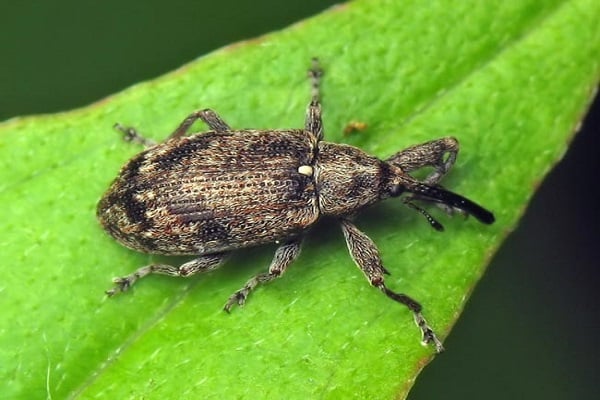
[
  {"x": 222, "y": 191},
  {"x": 218, "y": 191}
]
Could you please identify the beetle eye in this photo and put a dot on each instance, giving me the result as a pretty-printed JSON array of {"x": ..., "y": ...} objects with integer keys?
[{"x": 396, "y": 190}]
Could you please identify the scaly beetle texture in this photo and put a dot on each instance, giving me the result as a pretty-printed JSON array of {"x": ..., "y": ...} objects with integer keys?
[{"x": 214, "y": 192}]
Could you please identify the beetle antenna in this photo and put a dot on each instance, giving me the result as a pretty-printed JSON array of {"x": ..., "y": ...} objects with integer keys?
[
  {"x": 439, "y": 195},
  {"x": 432, "y": 221}
]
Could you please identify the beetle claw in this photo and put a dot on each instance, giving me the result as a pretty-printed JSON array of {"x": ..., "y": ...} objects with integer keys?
[
  {"x": 122, "y": 284},
  {"x": 238, "y": 298}
]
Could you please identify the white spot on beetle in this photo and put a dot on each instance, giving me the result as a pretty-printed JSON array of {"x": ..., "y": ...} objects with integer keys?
[{"x": 305, "y": 170}]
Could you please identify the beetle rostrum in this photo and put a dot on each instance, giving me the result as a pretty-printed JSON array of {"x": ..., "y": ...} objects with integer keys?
[{"x": 210, "y": 193}]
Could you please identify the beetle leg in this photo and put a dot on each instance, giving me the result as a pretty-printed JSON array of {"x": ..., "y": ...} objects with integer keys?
[
  {"x": 314, "y": 123},
  {"x": 428, "y": 154},
  {"x": 284, "y": 256},
  {"x": 203, "y": 263},
  {"x": 366, "y": 256},
  {"x": 132, "y": 135},
  {"x": 208, "y": 116}
]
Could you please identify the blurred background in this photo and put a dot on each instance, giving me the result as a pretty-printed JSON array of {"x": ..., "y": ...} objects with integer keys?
[{"x": 529, "y": 330}]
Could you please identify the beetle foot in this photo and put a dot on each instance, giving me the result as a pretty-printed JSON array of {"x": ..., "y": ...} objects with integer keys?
[
  {"x": 121, "y": 285},
  {"x": 429, "y": 336},
  {"x": 132, "y": 135},
  {"x": 238, "y": 298}
]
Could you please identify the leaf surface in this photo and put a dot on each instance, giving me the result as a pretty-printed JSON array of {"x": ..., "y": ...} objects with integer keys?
[{"x": 510, "y": 79}]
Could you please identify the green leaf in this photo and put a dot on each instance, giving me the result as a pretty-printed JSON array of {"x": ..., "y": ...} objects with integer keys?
[{"x": 510, "y": 79}]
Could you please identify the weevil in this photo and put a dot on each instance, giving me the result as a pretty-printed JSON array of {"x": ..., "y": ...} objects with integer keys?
[{"x": 210, "y": 193}]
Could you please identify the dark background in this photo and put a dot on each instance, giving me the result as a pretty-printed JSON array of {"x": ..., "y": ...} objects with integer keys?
[{"x": 529, "y": 330}]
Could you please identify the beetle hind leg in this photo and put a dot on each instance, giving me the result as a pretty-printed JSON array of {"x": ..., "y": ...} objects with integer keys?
[
  {"x": 365, "y": 254},
  {"x": 208, "y": 116},
  {"x": 204, "y": 263},
  {"x": 284, "y": 256},
  {"x": 131, "y": 134}
]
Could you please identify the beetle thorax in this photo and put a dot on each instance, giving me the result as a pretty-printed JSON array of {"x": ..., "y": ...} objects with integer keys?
[{"x": 347, "y": 179}]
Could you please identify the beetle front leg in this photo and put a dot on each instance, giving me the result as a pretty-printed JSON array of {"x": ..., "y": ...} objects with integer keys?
[
  {"x": 439, "y": 154},
  {"x": 365, "y": 254},
  {"x": 284, "y": 256},
  {"x": 204, "y": 263},
  {"x": 208, "y": 116},
  {"x": 429, "y": 154}
]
